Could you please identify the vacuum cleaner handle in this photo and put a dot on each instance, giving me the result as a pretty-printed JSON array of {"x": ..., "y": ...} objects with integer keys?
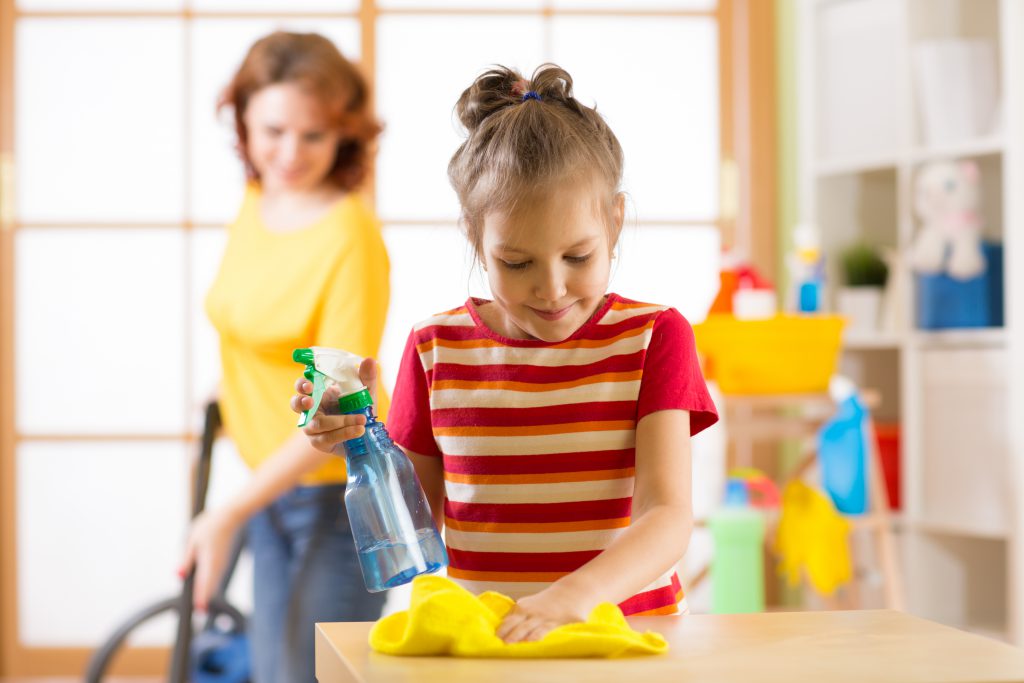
[{"x": 180, "y": 655}]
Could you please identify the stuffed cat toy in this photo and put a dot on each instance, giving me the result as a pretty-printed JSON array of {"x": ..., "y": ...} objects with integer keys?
[{"x": 946, "y": 198}]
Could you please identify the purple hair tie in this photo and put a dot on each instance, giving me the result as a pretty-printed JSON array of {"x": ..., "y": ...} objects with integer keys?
[{"x": 531, "y": 95}]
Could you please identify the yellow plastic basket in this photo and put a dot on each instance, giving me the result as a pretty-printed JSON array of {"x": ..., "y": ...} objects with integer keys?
[{"x": 787, "y": 354}]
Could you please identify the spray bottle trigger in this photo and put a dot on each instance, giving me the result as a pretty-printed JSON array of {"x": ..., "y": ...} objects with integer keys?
[{"x": 319, "y": 385}]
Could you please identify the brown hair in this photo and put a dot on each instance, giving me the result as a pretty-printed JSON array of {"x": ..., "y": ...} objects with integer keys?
[
  {"x": 524, "y": 137},
  {"x": 314, "y": 63}
]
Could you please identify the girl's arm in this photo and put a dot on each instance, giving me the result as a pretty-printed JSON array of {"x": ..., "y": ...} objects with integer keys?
[
  {"x": 430, "y": 470},
  {"x": 656, "y": 539}
]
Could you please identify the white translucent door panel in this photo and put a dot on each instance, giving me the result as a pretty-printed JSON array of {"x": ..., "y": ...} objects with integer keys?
[
  {"x": 94, "y": 5},
  {"x": 672, "y": 265},
  {"x": 333, "y": 6},
  {"x": 423, "y": 65},
  {"x": 100, "y": 532},
  {"x": 205, "y": 248},
  {"x": 99, "y": 120},
  {"x": 431, "y": 271},
  {"x": 218, "y": 48},
  {"x": 668, "y": 5},
  {"x": 655, "y": 80},
  {"x": 459, "y": 4},
  {"x": 99, "y": 331}
]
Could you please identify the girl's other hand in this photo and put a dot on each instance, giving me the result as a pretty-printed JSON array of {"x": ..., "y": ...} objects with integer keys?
[
  {"x": 325, "y": 432},
  {"x": 535, "y": 615}
]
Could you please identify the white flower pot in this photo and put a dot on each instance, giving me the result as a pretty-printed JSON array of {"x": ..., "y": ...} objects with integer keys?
[{"x": 860, "y": 306}]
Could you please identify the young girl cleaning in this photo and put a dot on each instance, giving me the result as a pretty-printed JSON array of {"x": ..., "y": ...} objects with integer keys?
[{"x": 550, "y": 428}]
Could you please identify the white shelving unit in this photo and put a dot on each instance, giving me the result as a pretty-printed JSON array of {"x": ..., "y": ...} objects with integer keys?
[{"x": 957, "y": 394}]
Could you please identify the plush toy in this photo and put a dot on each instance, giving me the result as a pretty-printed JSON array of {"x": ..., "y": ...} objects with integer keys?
[{"x": 947, "y": 195}]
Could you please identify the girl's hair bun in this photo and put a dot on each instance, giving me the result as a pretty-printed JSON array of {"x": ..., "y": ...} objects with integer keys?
[
  {"x": 554, "y": 83},
  {"x": 490, "y": 92},
  {"x": 524, "y": 137},
  {"x": 502, "y": 87}
]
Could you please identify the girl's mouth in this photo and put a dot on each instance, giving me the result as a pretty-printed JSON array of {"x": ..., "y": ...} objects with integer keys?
[{"x": 551, "y": 315}]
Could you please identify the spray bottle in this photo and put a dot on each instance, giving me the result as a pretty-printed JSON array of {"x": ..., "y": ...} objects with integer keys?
[{"x": 394, "y": 532}]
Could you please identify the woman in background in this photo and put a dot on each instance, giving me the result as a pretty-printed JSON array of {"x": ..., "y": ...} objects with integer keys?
[{"x": 305, "y": 265}]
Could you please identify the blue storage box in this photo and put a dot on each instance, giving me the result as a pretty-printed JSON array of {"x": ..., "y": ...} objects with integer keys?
[{"x": 943, "y": 301}]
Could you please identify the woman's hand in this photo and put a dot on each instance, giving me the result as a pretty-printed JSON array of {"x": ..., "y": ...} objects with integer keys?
[
  {"x": 325, "y": 432},
  {"x": 208, "y": 547},
  {"x": 535, "y": 615}
]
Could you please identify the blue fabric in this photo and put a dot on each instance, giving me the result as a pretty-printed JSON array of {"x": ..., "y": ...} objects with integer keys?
[
  {"x": 943, "y": 301},
  {"x": 305, "y": 571}
]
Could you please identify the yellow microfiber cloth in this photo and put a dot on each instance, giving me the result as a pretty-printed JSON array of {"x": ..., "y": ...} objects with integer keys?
[
  {"x": 446, "y": 619},
  {"x": 814, "y": 537}
]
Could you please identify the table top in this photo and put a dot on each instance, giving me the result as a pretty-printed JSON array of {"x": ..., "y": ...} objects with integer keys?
[{"x": 868, "y": 645}]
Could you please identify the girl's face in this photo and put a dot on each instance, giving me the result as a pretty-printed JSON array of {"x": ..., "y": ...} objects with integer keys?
[
  {"x": 548, "y": 263},
  {"x": 291, "y": 142}
]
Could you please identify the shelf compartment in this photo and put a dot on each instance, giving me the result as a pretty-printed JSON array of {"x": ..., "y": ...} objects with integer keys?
[
  {"x": 981, "y": 147},
  {"x": 977, "y": 338},
  {"x": 964, "y": 475},
  {"x": 960, "y": 581}
]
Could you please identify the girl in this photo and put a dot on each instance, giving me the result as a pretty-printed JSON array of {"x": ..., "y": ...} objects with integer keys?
[
  {"x": 550, "y": 427},
  {"x": 302, "y": 235}
]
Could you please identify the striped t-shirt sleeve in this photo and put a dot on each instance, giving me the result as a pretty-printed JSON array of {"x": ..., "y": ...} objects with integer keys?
[
  {"x": 409, "y": 417},
  {"x": 671, "y": 376}
]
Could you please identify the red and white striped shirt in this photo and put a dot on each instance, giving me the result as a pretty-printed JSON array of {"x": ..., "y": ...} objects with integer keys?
[{"x": 538, "y": 438}]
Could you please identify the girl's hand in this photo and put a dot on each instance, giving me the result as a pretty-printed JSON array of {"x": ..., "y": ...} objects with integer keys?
[
  {"x": 535, "y": 615},
  {"x": 325, "y": 432},
  {"x": 208, "y": 546}
]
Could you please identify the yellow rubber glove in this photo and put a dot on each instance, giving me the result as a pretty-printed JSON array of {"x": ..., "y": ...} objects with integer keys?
[
  {"x": 814, "y": 537},
  {"x": 445, "y": 619}
]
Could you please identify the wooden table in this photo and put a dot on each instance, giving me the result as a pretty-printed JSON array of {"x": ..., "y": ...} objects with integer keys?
[{"x": 869, "y": 645}]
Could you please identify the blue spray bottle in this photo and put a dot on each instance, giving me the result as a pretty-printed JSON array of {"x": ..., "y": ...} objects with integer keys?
[{"x": 395, "y": 534}]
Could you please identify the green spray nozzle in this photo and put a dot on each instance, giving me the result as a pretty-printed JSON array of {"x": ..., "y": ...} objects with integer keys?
[
  {"x": 325, "y": 368},
  {"x": 305, "y": 356}
]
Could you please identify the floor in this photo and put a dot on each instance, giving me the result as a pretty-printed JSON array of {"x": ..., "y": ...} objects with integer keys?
[{"x": 53, "y": 679}]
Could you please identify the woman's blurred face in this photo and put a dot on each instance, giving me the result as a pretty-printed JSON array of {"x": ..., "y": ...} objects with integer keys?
[{"x": 291, "y": 141}]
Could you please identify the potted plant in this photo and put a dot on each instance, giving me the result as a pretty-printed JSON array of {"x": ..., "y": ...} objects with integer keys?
[{"x": 864, "y": 276}]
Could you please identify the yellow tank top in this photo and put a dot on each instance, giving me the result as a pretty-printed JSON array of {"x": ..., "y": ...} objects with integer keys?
[{"x": 323, "y": 285}]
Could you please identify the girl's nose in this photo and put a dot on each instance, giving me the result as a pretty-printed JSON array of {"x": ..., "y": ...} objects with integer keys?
[{"x": 551, "y": 286}]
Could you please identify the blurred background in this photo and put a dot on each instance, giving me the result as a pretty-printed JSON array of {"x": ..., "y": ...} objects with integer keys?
[{"x": 778, "y": 133}]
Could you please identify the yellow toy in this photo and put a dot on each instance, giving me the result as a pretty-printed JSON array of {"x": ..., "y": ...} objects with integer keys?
[{"x": 445, "y": 619}]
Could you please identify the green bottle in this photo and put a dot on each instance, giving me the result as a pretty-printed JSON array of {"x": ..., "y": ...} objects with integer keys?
[{"x": 737, "y": 568}]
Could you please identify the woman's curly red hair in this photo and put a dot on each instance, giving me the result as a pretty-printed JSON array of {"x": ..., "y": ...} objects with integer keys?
[{"x": 313, "y": 62}]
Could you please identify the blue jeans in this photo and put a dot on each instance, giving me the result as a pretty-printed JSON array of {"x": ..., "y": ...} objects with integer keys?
[{"x": 305, "y": 570}]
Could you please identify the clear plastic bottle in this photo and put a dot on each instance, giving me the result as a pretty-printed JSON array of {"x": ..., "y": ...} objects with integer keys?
[{"x": 390, "y": 519}]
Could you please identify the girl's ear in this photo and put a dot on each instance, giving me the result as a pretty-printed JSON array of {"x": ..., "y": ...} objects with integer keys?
[{"x": 618, "y": 217}]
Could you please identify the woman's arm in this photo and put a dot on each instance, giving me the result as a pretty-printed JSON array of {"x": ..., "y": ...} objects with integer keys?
[
  {"x": 656, "y": 539},
  {"x": 211, "y": 533}
]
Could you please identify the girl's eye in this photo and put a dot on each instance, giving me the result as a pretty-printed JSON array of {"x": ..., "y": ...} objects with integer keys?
[
  {"x": 578, "y": 259},
  {"x": 313, "y": 137},
  {"x": 273, "y": 131},
  {"x": 514, "y": 266}
]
